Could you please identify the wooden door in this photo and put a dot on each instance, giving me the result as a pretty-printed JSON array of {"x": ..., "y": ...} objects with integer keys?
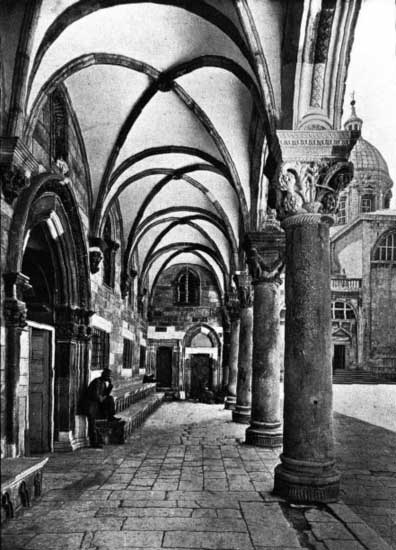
[
  {"x": 39, "y": 391},
  {"x": 164, "y": 367},
  {"x": 200, "y": 374}
]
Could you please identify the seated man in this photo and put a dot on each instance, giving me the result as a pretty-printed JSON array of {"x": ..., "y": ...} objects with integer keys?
[{"x": 100, "y": 404}]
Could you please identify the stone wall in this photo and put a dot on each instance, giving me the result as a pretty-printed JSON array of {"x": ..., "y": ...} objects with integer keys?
[{"x": 354, "y": 245}]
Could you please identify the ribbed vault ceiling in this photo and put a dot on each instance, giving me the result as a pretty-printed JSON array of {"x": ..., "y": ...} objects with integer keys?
[{"x": 165, "y": 95}]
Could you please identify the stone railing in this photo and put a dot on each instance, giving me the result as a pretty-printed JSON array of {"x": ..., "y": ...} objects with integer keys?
[{"x": 346, "y": 284}]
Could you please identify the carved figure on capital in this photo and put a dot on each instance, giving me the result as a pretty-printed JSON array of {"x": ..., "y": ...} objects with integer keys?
[
  {"x": 13, "y": 181},
  {"x": 264, "y": 270},
  {"x": 312, "y": 187}
]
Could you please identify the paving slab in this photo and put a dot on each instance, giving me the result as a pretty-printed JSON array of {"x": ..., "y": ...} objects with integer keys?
[{"x": 186, "y": 480}]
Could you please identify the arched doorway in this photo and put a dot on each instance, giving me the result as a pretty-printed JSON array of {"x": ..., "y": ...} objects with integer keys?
[
  {"x": 202, "y": 357},
  {"x": 47, "y": 348}
]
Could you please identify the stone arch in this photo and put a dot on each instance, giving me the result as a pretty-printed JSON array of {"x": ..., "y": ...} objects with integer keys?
[
  {"x": 48, "y": 203},
  {"x": 27, "y": 213},
  {"x": 204, "y": 329}
]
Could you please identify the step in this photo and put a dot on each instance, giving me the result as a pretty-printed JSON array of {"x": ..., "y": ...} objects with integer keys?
[
  {"x": 358, "y": 377},
  {"x": 21, "y": 483},
  {"x": 126, "y": 395},
  {"x": 131, "y": 418}
]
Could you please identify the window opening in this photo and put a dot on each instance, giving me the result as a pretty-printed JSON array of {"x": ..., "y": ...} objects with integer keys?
[
  {"x": 127, "y": 357},
  {"x": 367, "y": 204},
  {"x": 342, "y": 311},
  {"x": 386, "y": 250},
  {"x": 341, "y": 215},
  {"x": 187, "y": 288},
  {"x": 100, "y": 349}
]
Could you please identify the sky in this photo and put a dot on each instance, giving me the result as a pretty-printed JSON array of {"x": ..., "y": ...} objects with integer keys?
[{"x": 372, "y": 75}]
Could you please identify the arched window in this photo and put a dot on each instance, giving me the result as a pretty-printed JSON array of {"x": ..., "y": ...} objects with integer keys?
[
  {"x": 59, "y": 122},
  {"x": 188, "y": 288},
  {"x": 342, "y": 311},
  {"x": 385, "y": 251},
  {"x": 341, "y": 214},
  {"x": 367, "y": 203},
  {"x": 108, "y": 255}
]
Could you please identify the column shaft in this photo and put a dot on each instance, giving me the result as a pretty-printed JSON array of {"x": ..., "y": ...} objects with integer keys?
[
  {"x": 265, "y": 428},
  {"x": 242, "y": 410},
  {"x": 233, "y": 364},
  {"x": 307, "y": 471}
]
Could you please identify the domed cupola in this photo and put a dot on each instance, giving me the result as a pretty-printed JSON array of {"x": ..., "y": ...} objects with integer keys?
[{"x": 370, "y": 188}]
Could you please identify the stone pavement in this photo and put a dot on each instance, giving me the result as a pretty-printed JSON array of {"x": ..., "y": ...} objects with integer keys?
[{"x": 184, "y": 481}]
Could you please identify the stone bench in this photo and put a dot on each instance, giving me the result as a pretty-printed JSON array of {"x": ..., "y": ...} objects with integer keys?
[
  {"x": 126, "y": 395},
  {"x": 21, "y": 484},
  {"x": 116, "y": 432}
]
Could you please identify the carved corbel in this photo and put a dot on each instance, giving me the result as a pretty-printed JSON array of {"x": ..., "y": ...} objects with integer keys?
[
  {"x": 13, "y": 181},
  {"x": 62, "y": 168},
  {"x": 95, "y": 257}
]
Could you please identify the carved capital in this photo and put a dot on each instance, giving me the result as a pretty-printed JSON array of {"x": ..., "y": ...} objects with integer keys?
[
  {"x": 233, "y": 306},
  {"x": 16, "y": 284},
  {"x": 311, "y": 187},
  {"x": 95, "y": 257},
  {"x": 244, "y": 289},
  {"x": 13, "y": 181},
  {"x": 67, "y": 322},
  {"x": 15, "y": 313},
  {"x": 262, "y": 269},
  {"x": 265, "y": 251}
]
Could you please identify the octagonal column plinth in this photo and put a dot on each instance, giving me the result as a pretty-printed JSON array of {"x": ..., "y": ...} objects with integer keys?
[
  {"x": 265, "y": 258},
  {"x": 242, "y": 411},
  {"x": 230, "y": 399},
  {"x": 307, "y": 471}
]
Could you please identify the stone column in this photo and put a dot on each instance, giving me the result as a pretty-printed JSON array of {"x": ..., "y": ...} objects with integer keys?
[
  {"x": 15, "y": 314},
  {"x": 241, "y": 414},
  {"x": 226, "y": 349},
  {"x": 307, "y": 471},
  {"x": 66, "y": 366},
  {"x": 307, "y": 196},
  {"x": 234, "y": 311},
  {"x": 265, "y": 258}
]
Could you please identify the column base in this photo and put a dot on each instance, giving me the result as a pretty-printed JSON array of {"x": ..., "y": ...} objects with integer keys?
[
  {"x": 230, "y": 402},
  {"x": 263, "y": 434},
  {"x": 303, "y": 481},
  {"x": 241, "y": 414}
]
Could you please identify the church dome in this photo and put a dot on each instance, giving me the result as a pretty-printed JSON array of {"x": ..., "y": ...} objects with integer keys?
[{"x": 366, "y": 158}]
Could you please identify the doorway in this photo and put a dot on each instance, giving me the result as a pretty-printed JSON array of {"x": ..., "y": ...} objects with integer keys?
[
  {"x": 164, "y": 367},
  {"x": 338, "y": 357},
  {"x": 40, "y": 391},
  {"x": 200, "y": 374}
]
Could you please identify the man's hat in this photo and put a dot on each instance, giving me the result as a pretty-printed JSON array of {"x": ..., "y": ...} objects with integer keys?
[{"x": 106, "y": 372}]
